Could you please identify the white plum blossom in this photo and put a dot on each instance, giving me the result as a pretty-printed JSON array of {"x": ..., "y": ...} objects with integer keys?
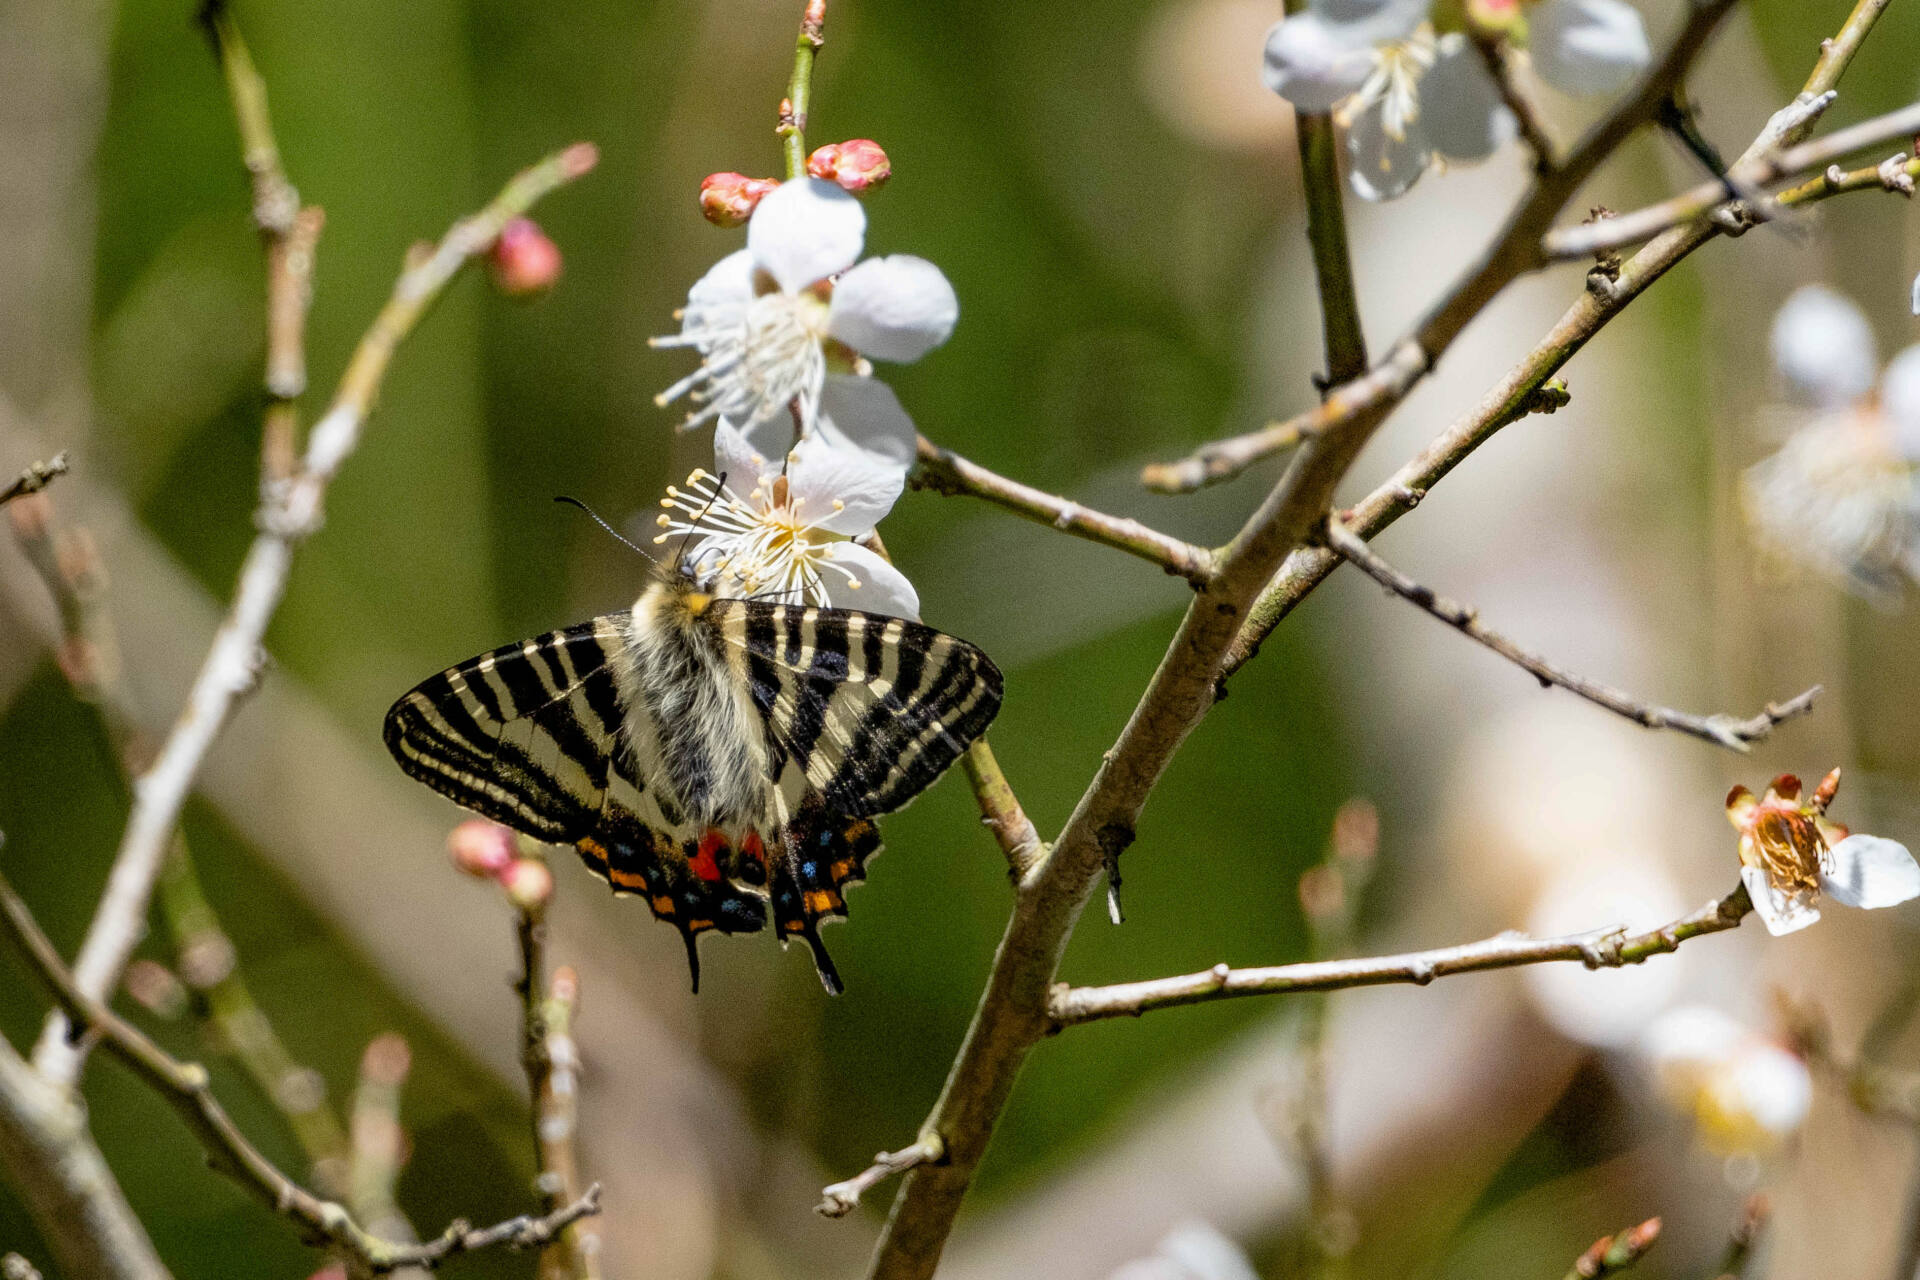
[
  {"x": 776, "y": 320},
  {"x": 1791, "y": 855},
  {"x": 1746, "y": 1094},
  {"x": 1839, "y": 497},
  {"x": 783, "y": 530},
  {"x": 1408, "y": 97}
]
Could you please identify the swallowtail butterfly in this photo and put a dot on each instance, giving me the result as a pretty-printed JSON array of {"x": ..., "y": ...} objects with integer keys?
[{"x": 716, "y": 756}]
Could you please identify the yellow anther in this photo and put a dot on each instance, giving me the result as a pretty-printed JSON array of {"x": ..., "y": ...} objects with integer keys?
[{"x": 663, "y": 520}]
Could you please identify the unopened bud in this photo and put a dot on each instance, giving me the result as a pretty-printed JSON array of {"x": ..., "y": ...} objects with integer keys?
[
  {"x": 1823, "y": 794},
  {"x": 1496, "y": 17},
  {"x": 1323, "y": 895},
  {"x": 387, "y": 1060},
  {"x": 524, "y": 261},
  {"x": 528, "y": 884},
  {"x": 480, "y": 848},
  {"x": 1356, "y": 830},
  {"x": 858, "y": 166},
  {"x": 566, "y": 985},
  {"x": 729, "y": 199}
]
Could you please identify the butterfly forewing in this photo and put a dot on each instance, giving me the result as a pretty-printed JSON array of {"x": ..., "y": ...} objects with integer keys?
[
  {"x": 570, "y": 738},
  {"x": 871, "y": 709}
]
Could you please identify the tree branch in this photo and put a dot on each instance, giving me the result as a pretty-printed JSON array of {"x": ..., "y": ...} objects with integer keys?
[
  {"x": 792, "y": 128},
  {"x": 552, "y": 1064},
  {"x": 287, "y": 518},
  {"x": 841, "y": 1198},
  {"x": 1709, "y": 197},
  {"x": 36, "y": 477},
  {"x": 1725, "y": 730},
  {"x": 1000, "y": 810},
  {"x": 1346, "y": 342},
  {"x": 1597, "y": 949},
  {"x": 1493, "y": 52},
  {"x": 185, "y": 1088},
  {"x": 1013, "y": 1013},
  {"x": 944, "y": 471},
  {"x": 1508, "y": 399}
]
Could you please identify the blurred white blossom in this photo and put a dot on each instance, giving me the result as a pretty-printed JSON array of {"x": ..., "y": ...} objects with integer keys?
[
  {"x": 1747, "y": 1095},
  {"x": 783, "y": 530},
  {"x": 1409, "y": 97},
  {"x": 1192, "y": 1250},
  {"x": 774, "y": 320},
  {"x": 1839, "y": 496},
  {"x": 1791, "y": 854}
]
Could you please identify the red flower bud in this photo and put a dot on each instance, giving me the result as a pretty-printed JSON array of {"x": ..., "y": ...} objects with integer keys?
[
  {"x": 728, "y": 199},
  {"x": 528, "y": 884},
  {"x": 524, "y": 261},
  {"x": 482, "y": 849},
  {"x": 858, "y": 165}
]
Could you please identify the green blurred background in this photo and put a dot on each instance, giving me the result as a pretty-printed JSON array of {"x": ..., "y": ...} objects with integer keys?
[{"x": 1121, "y": 221}]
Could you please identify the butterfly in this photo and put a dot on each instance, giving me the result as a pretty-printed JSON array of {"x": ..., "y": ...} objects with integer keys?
[{"x": 716, "y": 756}]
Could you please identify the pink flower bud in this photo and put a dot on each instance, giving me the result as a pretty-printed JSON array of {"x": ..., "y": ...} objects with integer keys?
[
  {"x": 524, "y": 261},
  {"x": 482, "y": 849},
  {"x": 156, "y": 988},
  {"x": 528, "y": 884},
  {"x": 858, "y": 166},
  {"x": 728, "y": 199}
]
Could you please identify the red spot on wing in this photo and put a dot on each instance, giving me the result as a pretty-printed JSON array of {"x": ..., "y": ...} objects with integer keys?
[
  {"x": 752, "y": 847},
  {"x": 704, "y": 863}
]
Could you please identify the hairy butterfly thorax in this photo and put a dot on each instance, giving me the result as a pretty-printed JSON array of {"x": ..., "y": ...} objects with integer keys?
[{"x": 722, "y": 758}]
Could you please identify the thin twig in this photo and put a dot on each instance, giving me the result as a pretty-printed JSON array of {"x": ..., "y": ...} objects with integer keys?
[
  {"x": 1611, "y": 1255},
  {"x": 1012, "y": 1015},
  {"x": 1700, "y": 201},
  {"x": 1725, "y": 730},
  {"x": 1596, "y": 949},
  {"x": 286, "y": 519},
  {"x": 944, "y": 471},
  {"x": 1494, "y": 52},
  {"x": 551, "y": 1061},
  {"x": 1506, "y": 402},
  {"x": 1346, "y": 342},
  {"x": 792, "y": 128},
  {"x": 36, "y": 477},
  {"x": 184, "y": 1086},
  {"x": 1000, "y": 810},
  {"x": 839, "y": 1199},
  {"x": 379, "y": 1143},
  {"x": 1745, "y": 1236}
]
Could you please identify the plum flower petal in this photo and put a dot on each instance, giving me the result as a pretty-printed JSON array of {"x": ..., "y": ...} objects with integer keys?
[
  {"x": 1747, "y": 1094},
  {"x": 1587, "y": 46},
  {"x": 1900, "y": 402},
  {"x": 865, "y": 414},
  {"x": 1461, "y": 108},
  {"x": 804, "y": 231},
  {"x": 844, "y": 491},
  {"x": 894, "y": 308},
  {"x": 1824, "y": 347},
  {"x": 1373, "y": 21},
  {"x": 1384, "y": 166},
  {"x": 1871, "y": 871},
  {"x": 873, "y": 585},
  {"x": 1313, "y": 63},
  {"x": 1781, "y": 912}
]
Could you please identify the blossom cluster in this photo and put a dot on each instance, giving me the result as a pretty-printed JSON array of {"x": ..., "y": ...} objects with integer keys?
[
  {"x": 810, "y": 450},
  {"x": 1839, "y": 498},
  {"x": 1411, "y": 96}
]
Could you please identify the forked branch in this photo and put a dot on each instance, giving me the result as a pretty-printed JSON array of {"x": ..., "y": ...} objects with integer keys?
[
  {"x": 1725, "y": 730},
  {"x": 1597, "y": 949},
  {"x": 184, "y": 1087}
]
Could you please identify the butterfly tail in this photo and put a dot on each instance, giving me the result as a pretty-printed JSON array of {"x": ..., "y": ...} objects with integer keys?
[{"x": 819, "y": 854}]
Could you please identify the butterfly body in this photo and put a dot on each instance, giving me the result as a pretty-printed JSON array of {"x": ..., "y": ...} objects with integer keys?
[{"x": 722, "y": 758}]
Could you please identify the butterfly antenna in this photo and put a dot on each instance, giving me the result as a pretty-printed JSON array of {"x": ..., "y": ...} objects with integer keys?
[
  {"x": 617, "y": 535},
  {"x": 719, "y": 487}
]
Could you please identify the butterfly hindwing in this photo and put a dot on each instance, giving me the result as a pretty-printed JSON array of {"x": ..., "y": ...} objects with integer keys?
[{"x": 872, "y": 709}]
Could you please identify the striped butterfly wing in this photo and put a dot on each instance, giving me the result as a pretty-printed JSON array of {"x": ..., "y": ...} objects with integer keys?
[
  {"x": 869, "y": 710},
  {"x": 532, "y": 736}
]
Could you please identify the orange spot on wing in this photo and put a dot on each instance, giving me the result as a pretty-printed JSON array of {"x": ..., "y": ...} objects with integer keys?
[
  {"x": 626, "y": 879},
  {"x": 819, "y": 901},
  {"x": 663, "y": 905},
  {"x": 595, "y": 851}
]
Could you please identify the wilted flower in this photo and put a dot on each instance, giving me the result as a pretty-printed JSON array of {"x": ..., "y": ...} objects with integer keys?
[
  {"x": 1840, "y": 497},
  {"x": 524, "y": 261},
  {"x": 1407, "y": 96},
  {"x": 1747, "y": 1094},
  {"x": 1790, "y": 854},
  {"x": 784, "y": 530},
  {"x": 858, "y": 165},
  {"x": 729, "y": 199},
  {"x": 770, "y": 320}
]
